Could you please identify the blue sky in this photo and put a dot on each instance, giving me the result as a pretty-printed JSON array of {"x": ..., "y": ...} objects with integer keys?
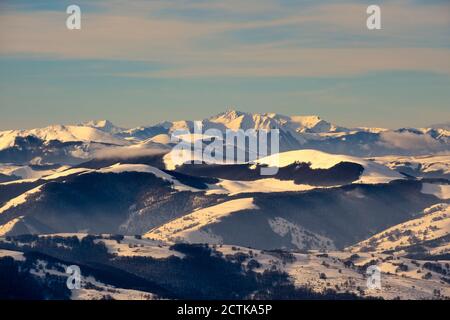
[{"x": 140, "y": 62}]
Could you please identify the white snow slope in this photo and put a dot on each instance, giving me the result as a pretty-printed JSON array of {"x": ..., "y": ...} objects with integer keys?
[
  {"x": 373, "y": 172},
  {"x": 433, "y": 224},
  {"x": 62, "y": 133},
  {"x": 188, "y": 228}
]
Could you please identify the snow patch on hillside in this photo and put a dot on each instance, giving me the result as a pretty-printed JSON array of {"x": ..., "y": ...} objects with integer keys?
[
  {"x": 435, "y": 223},
  {"x": 19, "y": 200},
  {"x": 66, "y": 172},
  {"x": 442, "y": 191},
  {"x": 106, "y": 291},
  {"x": 161, "y": 139},
  {"x": 91, "y": 288},
  {"x": 24, "y": 172},
  {"x": 188, "y": 228},
  {"x": 16, "y": 255},
  {"x": 300, "y": 237},
  {"x": 269, "y": 185},
  {"x": 7, "y": 227},
  {"x": 132, "y": 247},
  {"x": 119, "y": 168}
]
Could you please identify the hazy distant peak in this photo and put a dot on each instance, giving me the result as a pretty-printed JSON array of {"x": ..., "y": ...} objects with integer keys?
[
  {"x": 103, "y": 125},
  {"x": 229, "y": 114},
  {"x": 234, "y": 120}
]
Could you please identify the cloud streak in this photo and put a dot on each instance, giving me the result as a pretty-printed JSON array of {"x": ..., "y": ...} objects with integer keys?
[
  {"x": 192, "y": 46},
  {"x": 410, "y": 141}
]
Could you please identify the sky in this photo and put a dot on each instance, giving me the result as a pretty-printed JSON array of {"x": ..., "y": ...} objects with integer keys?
[{"x": 140, "y": 62}]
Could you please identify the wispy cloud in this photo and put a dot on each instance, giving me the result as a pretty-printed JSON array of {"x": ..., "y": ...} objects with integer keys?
[
  {"x": 410, "y": 141},
  {"x": 189, "y": 39}
]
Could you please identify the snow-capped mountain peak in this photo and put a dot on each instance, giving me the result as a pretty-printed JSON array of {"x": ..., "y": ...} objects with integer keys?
[
  {"x": 103, "y": 125},
  {"x": 62, "y": 133},
  {"x": 229, "y": 114},
  {"x": 234, "y": 120},
  {"x": 295, "y": 132}
]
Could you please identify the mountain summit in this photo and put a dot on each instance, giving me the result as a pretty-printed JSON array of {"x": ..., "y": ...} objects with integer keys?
[
  {"x": 103, "y": 125},
  {"x": 234, "y": 120},
  {"x": 76, "y": 143}
]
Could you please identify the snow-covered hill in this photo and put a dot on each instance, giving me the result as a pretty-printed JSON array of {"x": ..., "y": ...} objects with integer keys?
[
  {"x": 433, "y": 224},
  {"x": 135, "y": 197},
  {"x": 320, "y": 272},
  {"x": 188, "y": 228},
  {"x": 29, "y": 171},
  {"x": 432, "y": 166},
  {"x": 61, "y": 133},
  {"x": 373, "y": 172}
]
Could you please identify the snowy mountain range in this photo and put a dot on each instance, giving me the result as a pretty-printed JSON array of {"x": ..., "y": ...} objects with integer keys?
[
  {"x": 80, "y": 142},
  {"x": 341, "y": 200}
]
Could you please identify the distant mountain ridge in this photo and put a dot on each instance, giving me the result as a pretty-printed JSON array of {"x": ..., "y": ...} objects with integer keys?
[
  {"x": 81, "y": 142},
  {"x": 103, "y": 125}
]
